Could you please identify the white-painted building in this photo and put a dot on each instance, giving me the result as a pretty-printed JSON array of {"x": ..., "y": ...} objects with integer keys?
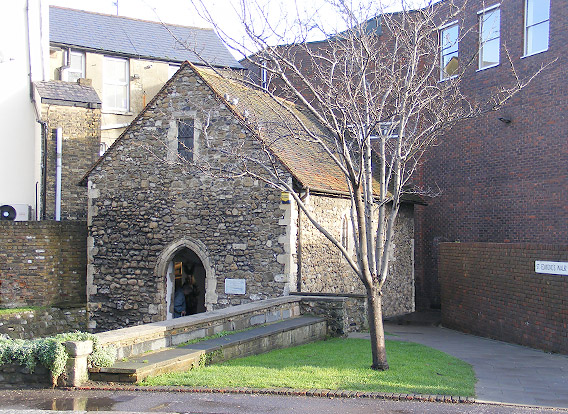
[{"x": 24, "y": 53}]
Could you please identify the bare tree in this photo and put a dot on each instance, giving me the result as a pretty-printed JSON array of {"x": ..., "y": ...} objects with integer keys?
[{"x": 385, "y": 88}]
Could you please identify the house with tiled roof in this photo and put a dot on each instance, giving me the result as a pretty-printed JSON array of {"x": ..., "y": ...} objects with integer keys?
[
  {"x": 168, "y": 203},
  {"x": 127, "y": 60}
]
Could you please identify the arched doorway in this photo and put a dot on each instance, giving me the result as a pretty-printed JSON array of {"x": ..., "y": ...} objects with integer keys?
[
  {"x": 185, "y": 280},
  {"x": 185, "y": 261}
]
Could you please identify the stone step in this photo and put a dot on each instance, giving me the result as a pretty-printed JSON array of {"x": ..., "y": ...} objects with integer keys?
[{"x": 278, "y": 335}]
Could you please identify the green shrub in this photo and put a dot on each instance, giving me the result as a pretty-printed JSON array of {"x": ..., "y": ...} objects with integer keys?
[{"x": 50, "y": 352}]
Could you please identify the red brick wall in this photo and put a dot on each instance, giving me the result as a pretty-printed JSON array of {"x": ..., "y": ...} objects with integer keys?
[
  {"x": 42, "y": 263},
  {"x": 492, "y": 290},
  {"x": 501, "y": 182}
]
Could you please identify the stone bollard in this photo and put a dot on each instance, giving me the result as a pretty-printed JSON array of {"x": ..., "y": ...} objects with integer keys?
[{"x": 76, "y": 369}]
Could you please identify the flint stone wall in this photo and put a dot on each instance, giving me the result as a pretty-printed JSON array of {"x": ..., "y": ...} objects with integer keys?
[
  {"x": 44, "y": 322},
  {"x": 343, "y": 314},
  {"x": 325, "y": 270},
  {"x": 141, "y": 200}
]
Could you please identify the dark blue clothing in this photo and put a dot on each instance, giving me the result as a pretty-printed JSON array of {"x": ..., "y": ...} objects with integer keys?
[{"x": 179, "y": 303}]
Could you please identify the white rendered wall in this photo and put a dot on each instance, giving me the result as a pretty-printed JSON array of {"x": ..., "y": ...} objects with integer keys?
[{"x": 20, "y": 134}]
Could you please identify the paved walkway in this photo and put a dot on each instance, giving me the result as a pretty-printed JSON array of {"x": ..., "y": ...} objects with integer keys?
[{"x": 506, "y": 373}]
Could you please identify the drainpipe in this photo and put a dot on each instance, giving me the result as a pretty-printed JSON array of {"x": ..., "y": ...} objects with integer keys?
[
  {"x": 43, "y": 193},
  {"x": 59, "y": 147}
]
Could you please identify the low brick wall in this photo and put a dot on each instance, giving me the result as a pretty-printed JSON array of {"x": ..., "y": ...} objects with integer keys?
[
  {"x": 42, "y": 263},
  {"x": 44, "y": 322},
  {"x": 492, "y": 290}
]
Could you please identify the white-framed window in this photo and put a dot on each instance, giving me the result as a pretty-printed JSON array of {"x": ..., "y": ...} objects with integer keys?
[
  {"x": 489, "y": 37},
  {"x": 449, "y": 57},
  {"x": 185, "y": 138},
  {"x": 537, "y": 26},
  {"x": 76, "y": 62},
  {"x": 116, "y": 76}
]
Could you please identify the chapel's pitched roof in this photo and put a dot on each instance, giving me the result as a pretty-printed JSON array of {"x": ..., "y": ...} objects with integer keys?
[
  {"x": 285, "y": 129},
  {"x": 67, "y": 94},
  {"x": 131, "y": 37}
]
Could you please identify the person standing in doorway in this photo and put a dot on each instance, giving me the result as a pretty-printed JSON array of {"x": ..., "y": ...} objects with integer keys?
[{"x": 180, "y": 305}]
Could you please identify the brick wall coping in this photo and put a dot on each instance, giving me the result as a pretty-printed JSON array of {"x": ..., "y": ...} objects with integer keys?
[
  {"x": 164, "y": 329},
  {"x": 536, "y": 246}
]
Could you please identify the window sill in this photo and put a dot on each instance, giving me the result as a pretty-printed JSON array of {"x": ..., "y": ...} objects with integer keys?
[
  {"x": 534, "y": 53},
  {"x": 117, "y": 112},
  {"x": 448, "y": 78},
  {"x": 487, "y": 67}
]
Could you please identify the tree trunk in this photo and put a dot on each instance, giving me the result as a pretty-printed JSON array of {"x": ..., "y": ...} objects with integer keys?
[{"x": 375, "y": 316}]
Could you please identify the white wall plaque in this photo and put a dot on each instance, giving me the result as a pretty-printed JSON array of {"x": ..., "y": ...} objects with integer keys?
[
  {"x": 235, "y": 286},
  {"x": 551, "y": 268}
]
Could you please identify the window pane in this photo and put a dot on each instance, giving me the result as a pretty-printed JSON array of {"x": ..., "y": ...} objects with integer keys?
[
  {"x": 489, "y": 38},
  {"x": 115, "y": 88},
  {"x": 537, "y": 38},
  {"x": 449, "y": 53},
  {"x": 489, "y": 53},
  {"x": 76, "y": 62},
  {"x": 185, "y": 138},
  {"x": 450, "y": 39},
  {"x": 537, "y": 11},
  {"x": 450, "y": 64},
  {"x": 490, "y": 25}
]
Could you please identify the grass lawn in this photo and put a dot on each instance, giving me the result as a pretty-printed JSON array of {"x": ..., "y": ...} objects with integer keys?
[{"x": 337, "y": 363}]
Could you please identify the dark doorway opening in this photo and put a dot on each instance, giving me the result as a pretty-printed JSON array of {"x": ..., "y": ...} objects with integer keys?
[{"x": 189, "y": 279}]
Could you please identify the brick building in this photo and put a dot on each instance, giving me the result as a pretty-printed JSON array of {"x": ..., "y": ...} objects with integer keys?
[
  {"x": 503, "y": 176},
  {"x": 151, "y": 213}
]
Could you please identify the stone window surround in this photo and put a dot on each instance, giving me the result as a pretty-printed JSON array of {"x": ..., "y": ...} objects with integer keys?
[{"x": 172, "y": 134}]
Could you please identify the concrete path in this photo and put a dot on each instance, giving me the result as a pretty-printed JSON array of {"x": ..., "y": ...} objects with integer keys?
[{"x": 506, "y": 373}]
